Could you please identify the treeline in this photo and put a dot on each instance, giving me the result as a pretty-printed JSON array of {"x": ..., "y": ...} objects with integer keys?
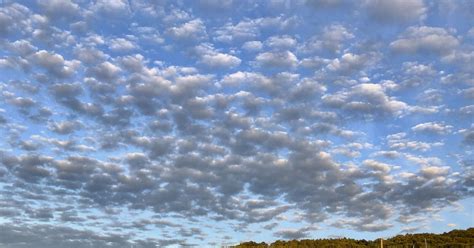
[{"x": 452, "y": 239}]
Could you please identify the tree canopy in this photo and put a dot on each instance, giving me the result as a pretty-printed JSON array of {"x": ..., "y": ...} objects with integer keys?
[{"x": 452, "y": 239}]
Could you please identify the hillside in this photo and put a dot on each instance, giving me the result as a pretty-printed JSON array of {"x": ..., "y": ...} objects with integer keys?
[{"x": 452, "y": 239}]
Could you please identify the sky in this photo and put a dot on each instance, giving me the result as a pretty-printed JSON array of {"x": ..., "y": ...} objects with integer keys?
[{"x": 140, "y": 123}]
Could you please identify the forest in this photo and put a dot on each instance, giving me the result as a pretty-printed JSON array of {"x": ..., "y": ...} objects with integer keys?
[{"x": 452, "y": 239}]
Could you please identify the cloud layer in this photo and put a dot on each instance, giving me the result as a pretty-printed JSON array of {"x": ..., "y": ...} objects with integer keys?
[{"x": 166, "y": 124}]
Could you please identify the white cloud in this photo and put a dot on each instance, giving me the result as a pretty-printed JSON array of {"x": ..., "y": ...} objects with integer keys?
[
  {"x": 220, "y": 60},
  {"x": 425, "y": 39},
  {"x": 55, "y": 63},
  {"x": 105, "y": 71},
  {"x": 244, "y": 30},
  {"x": 432, "y": 127},
  {"x": 115, "y": 8},
  {"x": 467, "y": 110},
  {"x": 434, "y": 171},
  {"x": 281, "y": 42},
  {"x": 121, "y": 44},
  {"x": 60, "y": 8},
  {"x": 417, "y": 69},
  {"x": 350, "y": 62},
  {"x": 16, "y": 18},
  {"x": 214, "y": 59},
  {"x": 248, "y": 29},
  {"x": 190, "y": 31},
  {"x": 22, "y": 47},
  {"x": 238, "y": 78},
  {"x": 252, "y": 45},
  {"x": 217, "y": 4},
  {"x": 397, "y": 11},
  {"x": 277, "y": 59},
  {"x": 367, "y": 100},
  {"x": 378, "y": 166},
  {"x": 324, "y": 3},
  {"x": 468, "y": 93},
  {"x": 331, "y": 39}
]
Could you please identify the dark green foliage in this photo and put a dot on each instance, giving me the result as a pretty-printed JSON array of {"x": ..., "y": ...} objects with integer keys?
[{"x": 452, "y": 239}]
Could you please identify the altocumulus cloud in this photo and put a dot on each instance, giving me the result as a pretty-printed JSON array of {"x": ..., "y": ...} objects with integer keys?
[{"x": 131, "y": 123}]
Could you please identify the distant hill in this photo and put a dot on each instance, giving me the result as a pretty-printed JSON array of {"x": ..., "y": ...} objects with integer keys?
[{"x": 452, "y": 239}]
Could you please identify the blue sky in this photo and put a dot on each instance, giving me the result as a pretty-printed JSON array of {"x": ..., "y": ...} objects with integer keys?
[{"x": 171, "y": 123}]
